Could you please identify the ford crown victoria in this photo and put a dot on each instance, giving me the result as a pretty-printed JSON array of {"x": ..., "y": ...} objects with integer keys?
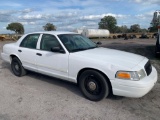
[{"x": 98, "y": 71}]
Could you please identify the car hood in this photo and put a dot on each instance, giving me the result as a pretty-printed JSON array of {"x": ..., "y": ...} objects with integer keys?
[{"x": 114, "y": 57}]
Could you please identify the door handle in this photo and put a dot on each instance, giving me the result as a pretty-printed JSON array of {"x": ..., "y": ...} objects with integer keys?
[
  {"x": 39, "y": 54},
  {"x": 19, "y": 50}
]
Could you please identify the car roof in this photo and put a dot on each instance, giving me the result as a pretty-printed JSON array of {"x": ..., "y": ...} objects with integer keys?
[{"x": 54, "y": 32}]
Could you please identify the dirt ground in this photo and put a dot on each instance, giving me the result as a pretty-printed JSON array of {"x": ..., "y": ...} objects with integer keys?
[{"x": 39, "y": 97}]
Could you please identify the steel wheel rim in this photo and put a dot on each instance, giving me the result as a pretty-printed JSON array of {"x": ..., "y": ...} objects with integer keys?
[
  {"x": 92, "y": 85},
  {"x": 16, "y": 67}
]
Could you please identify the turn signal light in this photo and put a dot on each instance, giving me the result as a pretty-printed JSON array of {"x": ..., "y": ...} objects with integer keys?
[{"x": 123, "y": 75}]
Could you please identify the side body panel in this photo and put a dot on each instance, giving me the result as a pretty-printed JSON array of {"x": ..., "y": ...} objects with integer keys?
[{"x": 53, "y": 64}]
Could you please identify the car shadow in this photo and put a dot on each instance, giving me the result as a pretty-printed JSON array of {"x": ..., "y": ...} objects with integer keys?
[
  {"x": 115, "y": 97},
  {"x": 56, "y": 81}
]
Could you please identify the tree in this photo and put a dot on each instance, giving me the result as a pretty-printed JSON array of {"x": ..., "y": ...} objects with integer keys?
[
  {"x": 144, "y": 30},
  {"x": 16, "y": 27},
  {"x": 121, "y": 29},
  {"x": 135, "y": 28},
  {"x": 124, "y": 29},
  {"x": 118, "y": 29},
  {"x": 153, "y": 29},
  {"x": 49, "y": 27},
  {"x": 108, "y": 22}
]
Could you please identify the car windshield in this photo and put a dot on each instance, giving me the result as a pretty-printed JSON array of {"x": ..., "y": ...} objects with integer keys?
[{"x": 76, "y": 42}]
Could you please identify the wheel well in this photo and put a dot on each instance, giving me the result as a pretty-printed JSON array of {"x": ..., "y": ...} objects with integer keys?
[
  {"x": 12, "y": 56},
  {"x": 106, "y": 77}
]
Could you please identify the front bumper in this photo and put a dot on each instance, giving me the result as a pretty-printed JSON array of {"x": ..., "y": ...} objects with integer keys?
[{"x": 135, "y": 89}]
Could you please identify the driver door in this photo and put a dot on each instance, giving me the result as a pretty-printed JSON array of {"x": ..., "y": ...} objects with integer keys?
[{"x": 51, "y": 63}]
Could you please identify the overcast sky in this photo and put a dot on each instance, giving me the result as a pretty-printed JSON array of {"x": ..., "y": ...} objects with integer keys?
[{"x": 71, "y": 14}]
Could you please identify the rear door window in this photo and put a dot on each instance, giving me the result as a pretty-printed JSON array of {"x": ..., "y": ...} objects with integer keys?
[{"x": 30, "y": 41}]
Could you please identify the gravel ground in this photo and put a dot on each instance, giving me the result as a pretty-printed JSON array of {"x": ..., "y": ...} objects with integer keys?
[{"x": 39, "y": 97}]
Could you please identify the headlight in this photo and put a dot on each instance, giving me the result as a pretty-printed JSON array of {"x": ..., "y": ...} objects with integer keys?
[
  {"x": 141, "y": 74},
  {"x": 131, "y": 75}
]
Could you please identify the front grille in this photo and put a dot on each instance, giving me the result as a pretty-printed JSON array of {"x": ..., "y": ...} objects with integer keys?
[{"x": 148, "y": 68}]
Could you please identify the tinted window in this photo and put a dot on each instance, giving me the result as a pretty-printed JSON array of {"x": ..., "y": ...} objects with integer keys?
[
  {"x": 49, "y": 41},
  {"x": 30, "y": 41}
]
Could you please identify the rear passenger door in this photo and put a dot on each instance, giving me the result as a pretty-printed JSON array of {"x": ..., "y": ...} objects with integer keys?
[
  {"x": 52, "y": 63},
  {"x": 27, "y": 51}
]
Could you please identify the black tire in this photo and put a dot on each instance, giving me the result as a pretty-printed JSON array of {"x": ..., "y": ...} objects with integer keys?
[
  {"x": 17, "y": 67},
  {"x": 93, "y": 85}
]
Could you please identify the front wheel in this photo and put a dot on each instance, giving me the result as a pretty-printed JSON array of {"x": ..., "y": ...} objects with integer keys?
[
  {"x": 93, "y": 85},
  {"x": 17, "y": 67}
]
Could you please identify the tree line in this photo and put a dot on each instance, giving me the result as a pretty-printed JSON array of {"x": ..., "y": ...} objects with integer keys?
[
  {"x": 18, "y": 28},
  {"x": 110, "y": 23},
  {"x": 107, "y": 22}
]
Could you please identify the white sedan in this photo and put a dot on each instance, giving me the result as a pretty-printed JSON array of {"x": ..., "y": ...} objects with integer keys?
[{"x": 98, "y": 71}]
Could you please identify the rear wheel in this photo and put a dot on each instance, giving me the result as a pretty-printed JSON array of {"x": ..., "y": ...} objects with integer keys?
[
  {"x": 17, "y": 67},
  {"x": 93, "y": 85}
]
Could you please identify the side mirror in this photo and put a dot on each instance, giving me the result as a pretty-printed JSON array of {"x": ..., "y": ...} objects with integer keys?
[
  {"x": 57, "y": 49},
  {"x": 99, "y": 43}
]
